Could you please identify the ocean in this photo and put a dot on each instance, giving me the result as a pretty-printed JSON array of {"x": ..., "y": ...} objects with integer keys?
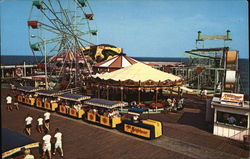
[{"x": 243, "y": 65}]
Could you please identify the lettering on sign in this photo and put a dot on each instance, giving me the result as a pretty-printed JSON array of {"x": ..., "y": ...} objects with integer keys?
[
  {"x": 214, "y": 37},
  {"x": 232, "y": 98},
  {"x": 137, "y": 130}
]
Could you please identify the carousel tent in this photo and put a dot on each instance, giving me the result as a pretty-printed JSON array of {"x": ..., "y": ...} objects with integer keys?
[
  {"x": 136, "y": 77},
  {"x": 139, "y": 72},
  {"x": 13, "y": 142},
  {"x": 115, "y": 63}
]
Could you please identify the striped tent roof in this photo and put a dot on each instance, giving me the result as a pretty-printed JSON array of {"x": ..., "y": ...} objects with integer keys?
[
  {"x": 68, "y": 56},
  {"x": 118, "y": 61}
]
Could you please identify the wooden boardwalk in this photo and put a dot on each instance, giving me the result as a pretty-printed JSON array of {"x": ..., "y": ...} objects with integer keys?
[{"x": 82, "y": 140}]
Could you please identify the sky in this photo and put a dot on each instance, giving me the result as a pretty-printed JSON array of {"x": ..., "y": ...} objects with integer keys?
[{"x": 143, "y": 28}]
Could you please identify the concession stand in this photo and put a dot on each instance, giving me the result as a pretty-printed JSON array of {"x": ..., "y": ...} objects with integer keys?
[
  {"x": 26, "y": 95},
  {"x": 104, "y": 112},
  {"x": 149, "y": 129},
  {"x": 72, "y": 105},
  {"x": 46, "y": 99},
  {"x": 133, "y": 83},
  {"x": 231, "y": 116}
]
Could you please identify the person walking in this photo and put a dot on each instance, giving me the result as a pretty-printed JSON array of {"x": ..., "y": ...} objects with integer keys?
[
  {"x": 16, "y": 101},
  {"x": 40, "y": 124},
  {"x": 46, "y": 145},
  {"x": 58, "y": 144},
  {"x": 28, "y": 121},
  {"x": 47, "y": 120},
  {"x": 9, "y": 102}
]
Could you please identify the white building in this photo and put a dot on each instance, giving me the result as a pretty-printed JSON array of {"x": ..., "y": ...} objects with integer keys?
[{"x": 231, "y": 116}]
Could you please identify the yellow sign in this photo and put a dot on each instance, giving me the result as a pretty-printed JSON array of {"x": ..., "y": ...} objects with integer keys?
[
  {"x": 213, "y": 37},
  {"x": 137, "y": 130},
  {"x": 232, "y": 98}
]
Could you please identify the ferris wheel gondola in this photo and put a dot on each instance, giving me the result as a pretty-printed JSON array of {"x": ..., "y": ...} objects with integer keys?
[{"x": 58, "y": 27}]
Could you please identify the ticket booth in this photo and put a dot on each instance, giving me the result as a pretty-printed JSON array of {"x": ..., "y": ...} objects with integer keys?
[{"x": 231, "y": 116}]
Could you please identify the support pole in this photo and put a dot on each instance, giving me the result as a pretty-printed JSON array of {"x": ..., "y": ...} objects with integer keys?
[
  {"x": 139, "y": 95},
  {"x": 107, "y": 92},
  {"x": 156, "y": 95},
  {"x": 2, "y": 72},
  {"x": 13, "y": 73},
  {"x": 98, "y": 91},
  {"x": 121, "y": 89},
  {"x": 179, "y": 93},
  {"x": 24, "y": 69}
]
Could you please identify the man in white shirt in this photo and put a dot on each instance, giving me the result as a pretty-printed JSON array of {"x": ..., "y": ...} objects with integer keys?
[
  {"x": 9, "y": 102},
  {"x": 28, "y": 121},
  {"x": 47, "y": 120},
  {"x": 40, "y": 124},
  {"x": 46, "y": 145},
  {"x": 58, "y": 144}
]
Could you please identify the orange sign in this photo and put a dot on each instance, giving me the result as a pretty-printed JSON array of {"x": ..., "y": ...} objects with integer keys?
[{"x": 232, "y": 98}]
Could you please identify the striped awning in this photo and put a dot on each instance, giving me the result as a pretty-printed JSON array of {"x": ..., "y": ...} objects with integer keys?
[
  {"x": 119, "y": 61},
  {"x": 28, "y": 88},
  {"x": 105, "y": 103},
  {"x": 73, "y": 97}
]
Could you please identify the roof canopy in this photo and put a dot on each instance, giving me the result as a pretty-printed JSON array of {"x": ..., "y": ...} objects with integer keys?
[
  {"x": 118, "y": 61},
  {"x": 136, "y": 111},
  {"x": 12, "y": 142},
  {"x": 48, "y": 92},
  {"x": 73, "y": 97},
  {"x": 140, "y": 74},
  {"x": 27, "y": 88},
  {"x": 105, "y": 103}
]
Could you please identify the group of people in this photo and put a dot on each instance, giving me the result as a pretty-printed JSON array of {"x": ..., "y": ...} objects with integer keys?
[
  {"x": 173, "y": 105},
  {"x": 46, "y": 143},
  {"x": 108, "y": 113},
  {"x": 46, "y": 140},
  {"x": 40, "y": 124}
]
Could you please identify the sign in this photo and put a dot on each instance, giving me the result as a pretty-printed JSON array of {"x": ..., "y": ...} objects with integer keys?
[
  {"x": 232, "y": 98},
  {"x": 137, "y": 130},
  {"x": 213, "y": 37}
]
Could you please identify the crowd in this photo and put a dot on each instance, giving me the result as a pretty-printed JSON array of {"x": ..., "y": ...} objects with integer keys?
[
  {"x": 42, "y": 126},
  {"x": 173, "y": 105}
]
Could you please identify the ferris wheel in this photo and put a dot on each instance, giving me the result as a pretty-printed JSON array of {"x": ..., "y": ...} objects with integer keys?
[{"x": 58, "y": 30}]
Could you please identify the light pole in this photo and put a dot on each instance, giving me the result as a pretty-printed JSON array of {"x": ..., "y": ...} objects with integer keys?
[{"x": 45, "y": 59}]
